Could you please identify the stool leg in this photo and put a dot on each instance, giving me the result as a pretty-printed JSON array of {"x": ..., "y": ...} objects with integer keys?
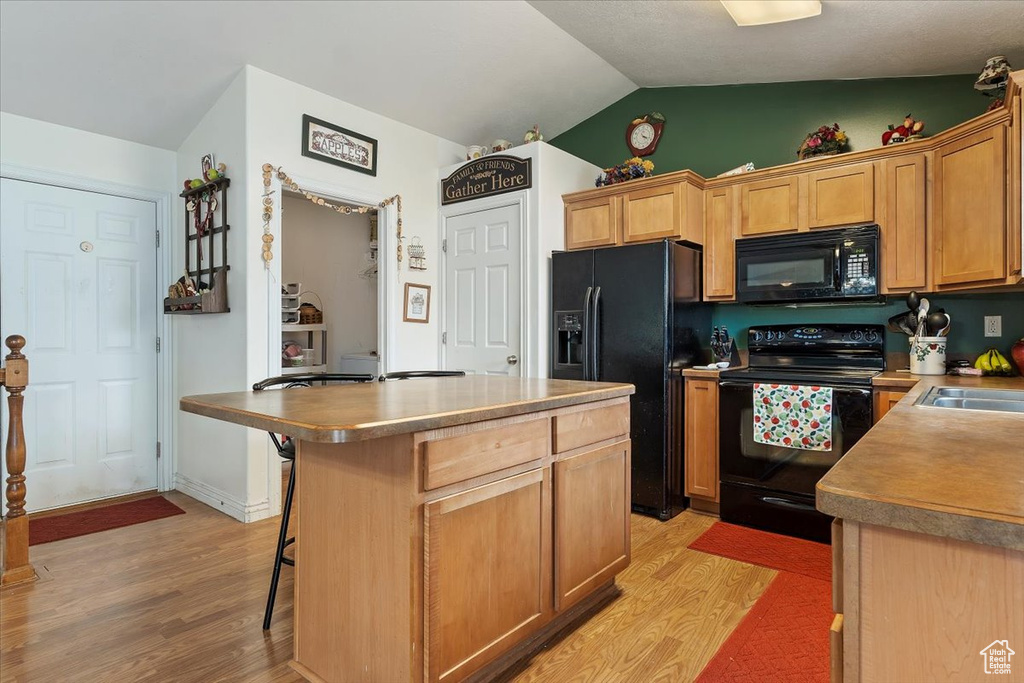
[{"x": 282, "y": 541}]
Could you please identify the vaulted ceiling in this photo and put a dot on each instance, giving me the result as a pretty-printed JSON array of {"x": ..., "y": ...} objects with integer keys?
[{"x": 467, "y": 71}]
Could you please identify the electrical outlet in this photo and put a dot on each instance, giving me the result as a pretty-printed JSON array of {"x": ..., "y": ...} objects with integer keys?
[{"x": 993, "y": 326}]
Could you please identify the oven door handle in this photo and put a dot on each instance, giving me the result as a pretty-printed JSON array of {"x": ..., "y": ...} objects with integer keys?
[
  {"x": 843, "y": 389},
  {"x": 782, "y": 502},
  {"x": 731, "y": 383}
]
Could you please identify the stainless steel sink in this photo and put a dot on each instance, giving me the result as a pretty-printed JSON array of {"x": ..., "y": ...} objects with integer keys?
[{"x": 999, "y": 400}]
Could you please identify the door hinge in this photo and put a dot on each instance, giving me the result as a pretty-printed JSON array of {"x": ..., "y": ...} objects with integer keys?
[
  {"x": 444, "y": 245},
  {"x": 158, "y": 237},
  {"x": 158, "y": 344},
  {"x": 444, "y": 337},
  {"x": 157, "y": 450}
]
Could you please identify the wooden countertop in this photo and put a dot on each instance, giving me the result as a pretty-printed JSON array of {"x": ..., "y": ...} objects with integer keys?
[
  {"x": 357, "y": 412},
  {"x": 895, "y": 379},
  {"x": 941, "y": 471}
]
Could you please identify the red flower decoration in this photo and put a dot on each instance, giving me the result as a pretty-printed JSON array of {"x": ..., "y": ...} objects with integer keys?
[
  {"x": 757, "y": 418},
  {"x": 828, "y": 407},
  {"x": 805, "y": 403},
  {"x": 794, "y": 423},
  {"x": 775, "y": 386},
  {"x": 786, "y": 405},
  {"x": 775, "y": 420},
  {"x": 787, "y": 441},
  {"x": 805, "y": 441},
  {"x": 766, "y": 400},
  {"x": 828, "y": 444},
  {"x": 767, "y": 435},
  {"x": 815, "y": 388},
  {"x": 815, "y": 424},
  {"x": 794, "y": 387}
]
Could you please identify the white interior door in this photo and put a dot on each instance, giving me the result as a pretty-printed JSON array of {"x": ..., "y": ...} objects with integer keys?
[
  {"x": 483, "y": 291},
  {"x": 78, "y": 281}
]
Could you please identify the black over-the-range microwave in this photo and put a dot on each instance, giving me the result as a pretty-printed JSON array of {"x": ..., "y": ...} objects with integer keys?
[{"x": 823, "y": 265}]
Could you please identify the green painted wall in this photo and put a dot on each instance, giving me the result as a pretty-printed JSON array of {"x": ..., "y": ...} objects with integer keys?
[
  {"x": 712, "y": 129},
  {"x": 966, "y": 336}
]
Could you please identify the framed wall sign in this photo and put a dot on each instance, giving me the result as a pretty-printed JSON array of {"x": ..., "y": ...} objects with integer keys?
[
  {"x": 339, "y": 146},
  {"x": 417, "y": 303}
]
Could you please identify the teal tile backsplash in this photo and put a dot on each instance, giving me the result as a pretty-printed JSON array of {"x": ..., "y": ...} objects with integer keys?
[{"x": 966, "y": 335}]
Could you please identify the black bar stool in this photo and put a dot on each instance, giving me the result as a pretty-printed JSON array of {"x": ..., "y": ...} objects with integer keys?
[{"x": 286, "y": 450}]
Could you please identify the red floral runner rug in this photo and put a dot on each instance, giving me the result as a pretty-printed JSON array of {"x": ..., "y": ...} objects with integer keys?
[
  {"x": 60, "y": 527},
  {"x": 785, "y": 636}
]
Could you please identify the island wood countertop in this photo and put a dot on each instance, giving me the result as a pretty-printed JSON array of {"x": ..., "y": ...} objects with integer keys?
[
  {"x": 940, "y": 471},
  {"x": 358, "y": 412}
]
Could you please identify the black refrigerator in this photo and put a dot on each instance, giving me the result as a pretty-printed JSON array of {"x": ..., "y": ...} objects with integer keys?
[{"x": 634, "y": 314}]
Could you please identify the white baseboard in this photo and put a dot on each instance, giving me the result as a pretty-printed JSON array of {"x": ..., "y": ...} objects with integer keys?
[{"x": 219, "y": 500}]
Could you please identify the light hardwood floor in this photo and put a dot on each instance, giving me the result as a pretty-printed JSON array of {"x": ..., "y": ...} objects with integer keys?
[{"x": 181, "y": 599}]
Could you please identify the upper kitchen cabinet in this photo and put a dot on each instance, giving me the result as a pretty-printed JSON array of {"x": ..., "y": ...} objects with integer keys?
[
  {"x": 769, "y": 206},
  {"x": 720, "y": 244},
  {"x": 841, "y": 196},
  {"x": 592, "y": 222},
  {"x": 672, "y": 211},
  {"x": 969, "y": 209},
  {"x": 902, "y": 223},
  {"x": 643, "y": 210}
]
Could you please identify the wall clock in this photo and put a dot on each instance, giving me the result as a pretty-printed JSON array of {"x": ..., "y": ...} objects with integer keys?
[{"x": 644, "y": 132}]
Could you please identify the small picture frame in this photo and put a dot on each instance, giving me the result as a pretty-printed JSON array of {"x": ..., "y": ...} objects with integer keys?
[
  {"x": 417, "y": 303},
  {"x": 339, "y": 146}
]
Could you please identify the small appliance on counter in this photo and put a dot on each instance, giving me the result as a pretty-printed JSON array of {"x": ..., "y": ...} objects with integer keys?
[
  {"x": 801, "y": 403},
  {"x": 634, "y": 314},
  {"x": 820, "y": 266}
]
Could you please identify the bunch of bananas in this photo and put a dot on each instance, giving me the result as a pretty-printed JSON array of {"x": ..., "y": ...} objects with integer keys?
[{"x": 993, "y": 363}]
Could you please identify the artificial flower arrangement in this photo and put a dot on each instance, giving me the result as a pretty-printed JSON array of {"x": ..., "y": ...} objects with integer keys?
[
  {"x": 825, "y": 140},
  {"x": 627, "y": 170},
  {"x": 910, "y": 130}
]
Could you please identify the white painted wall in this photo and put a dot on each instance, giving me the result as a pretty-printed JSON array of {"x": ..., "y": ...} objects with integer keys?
[
  {"x": 210, "y": 351},
  {"x": 407, "y": 160},
  {"x": 326, "y": 251},
  {"x": 59, "y": 149},
  {"x": 555, "y": 173}
]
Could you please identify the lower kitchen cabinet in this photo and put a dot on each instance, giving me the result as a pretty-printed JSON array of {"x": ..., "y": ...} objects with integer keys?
[
  {"x": 592, "y": 533},
  {"x": 701, "y": 439},
  {"x": 488, "y": 571},
  {"x": 884, "y": 400},
  {"x": 921, "y": 607}
]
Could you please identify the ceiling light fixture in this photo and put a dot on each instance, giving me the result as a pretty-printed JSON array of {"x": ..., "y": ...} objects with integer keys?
[{"x": 757, "y": 12}]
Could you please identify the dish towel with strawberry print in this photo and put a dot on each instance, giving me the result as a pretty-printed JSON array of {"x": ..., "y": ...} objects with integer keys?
[{"x": 793, "y": 416}]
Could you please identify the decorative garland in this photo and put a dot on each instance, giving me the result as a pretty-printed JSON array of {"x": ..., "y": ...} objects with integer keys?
[{"x": 268, "y": 208}]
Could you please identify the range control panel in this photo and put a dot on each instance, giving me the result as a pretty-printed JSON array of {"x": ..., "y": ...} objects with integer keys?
[{"x": 823, "y": 336}]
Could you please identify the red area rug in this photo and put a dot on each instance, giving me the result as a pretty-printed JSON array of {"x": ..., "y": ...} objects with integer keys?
[
  {"x": 765, "y": 549},
  {"x": 785, "y": 636},
  {"x": 59, "y": 527}
]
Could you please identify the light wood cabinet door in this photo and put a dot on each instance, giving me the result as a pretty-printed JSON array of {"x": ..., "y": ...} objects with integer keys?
[
  {"x": 700, "y": 438},
  {"x": 969, "y": 209},
  {"x": 719, "y": 244},
  {"x": 487, "y": 572},
  {"x": 592, "y": 504},
  {"x": 885, "y": 399},
  {"x": 769, "y": 206},
  {"x": 841, "y": 196},
  {"x": 652, "y": 213},
  {"x": 593, "y": 222},
  {"x": 903, "y": 229}
]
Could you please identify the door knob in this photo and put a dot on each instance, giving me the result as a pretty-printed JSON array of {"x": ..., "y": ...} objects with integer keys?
[{"x": 512, "y": 360}]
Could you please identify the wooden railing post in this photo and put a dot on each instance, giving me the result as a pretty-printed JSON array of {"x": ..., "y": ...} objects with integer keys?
[{"x": 16, "y": 567}]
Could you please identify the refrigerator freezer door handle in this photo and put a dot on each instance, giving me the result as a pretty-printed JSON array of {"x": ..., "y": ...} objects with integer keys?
[
  {"x": 586, "y": 333},
  {"x": 595, "y": 354}
]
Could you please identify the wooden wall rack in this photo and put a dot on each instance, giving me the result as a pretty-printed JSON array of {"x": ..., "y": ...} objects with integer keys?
[{"x": 215, "y": 269}]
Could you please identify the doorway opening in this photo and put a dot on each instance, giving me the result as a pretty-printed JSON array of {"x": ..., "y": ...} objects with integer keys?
[{"x": 330, "y": 289}]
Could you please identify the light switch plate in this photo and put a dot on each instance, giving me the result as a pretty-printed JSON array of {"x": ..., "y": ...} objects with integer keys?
[{"x": 993, "y": 326}]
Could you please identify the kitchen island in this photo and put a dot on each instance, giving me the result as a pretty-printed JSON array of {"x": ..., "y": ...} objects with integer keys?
[
  {"x": 446, "y": 526},
  {"x": 928, "y": 544}
]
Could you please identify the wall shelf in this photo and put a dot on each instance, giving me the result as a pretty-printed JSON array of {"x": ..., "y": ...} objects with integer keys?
[{"x": 210, "y": 269}]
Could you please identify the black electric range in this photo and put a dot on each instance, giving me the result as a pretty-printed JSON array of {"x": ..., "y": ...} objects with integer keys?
[{"x": 769, "y": 486}]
